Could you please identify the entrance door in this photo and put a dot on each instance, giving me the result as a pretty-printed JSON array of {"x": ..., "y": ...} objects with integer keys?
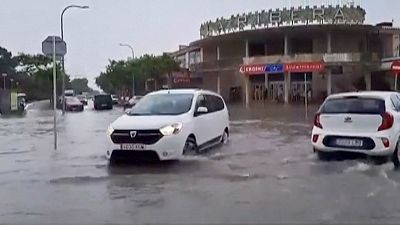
[{"x": 276, "y": 91}]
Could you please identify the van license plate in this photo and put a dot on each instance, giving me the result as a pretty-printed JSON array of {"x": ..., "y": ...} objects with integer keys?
[
  {"x": 349, "y": 142},
  {"x": 139, "y": 147}
]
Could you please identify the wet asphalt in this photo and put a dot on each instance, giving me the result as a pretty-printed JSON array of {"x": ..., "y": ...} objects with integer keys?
[{"x": 267, "y": 174}]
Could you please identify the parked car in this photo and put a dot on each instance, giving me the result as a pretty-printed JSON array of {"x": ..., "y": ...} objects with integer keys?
[
  {"x": 170, "y": 123},
  {"x": 114, "y": 99},
  {"x": 102, "y": 102},
  {"x": 362, "y": 122},
  {"x": 69, "y": 93},
  {"x": 73, "y": 104},
  {"x": 83, "y": 99}
]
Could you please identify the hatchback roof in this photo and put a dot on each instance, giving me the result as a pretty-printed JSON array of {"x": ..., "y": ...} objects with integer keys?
[
  {"x": 382, "y": 94},
  {"x": 184, "y": 91}
]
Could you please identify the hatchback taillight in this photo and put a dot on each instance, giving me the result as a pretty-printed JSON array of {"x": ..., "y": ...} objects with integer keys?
[
  {"x": 317, "y": 121},
  {"x": 387, "y": 121}
]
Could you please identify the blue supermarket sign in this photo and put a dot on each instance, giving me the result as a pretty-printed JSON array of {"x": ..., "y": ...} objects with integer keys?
[{"x": 274, "y": 68}]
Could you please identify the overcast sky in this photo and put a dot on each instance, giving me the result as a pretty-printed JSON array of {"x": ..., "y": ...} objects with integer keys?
[{"x": 151, "y": 26}]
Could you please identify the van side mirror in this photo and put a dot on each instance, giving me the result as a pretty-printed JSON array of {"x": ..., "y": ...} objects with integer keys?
[
  {"x": 127, "y": 111},
  {"x": 201, "y": 110}
]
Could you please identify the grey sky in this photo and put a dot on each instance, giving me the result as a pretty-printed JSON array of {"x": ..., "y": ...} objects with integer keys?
[{"x": 152, "y": 26}]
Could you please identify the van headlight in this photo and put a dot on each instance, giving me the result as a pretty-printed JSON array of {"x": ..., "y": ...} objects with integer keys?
[
  {"x": 110, "y": 130},
  {"x": 171, "y": 129}
]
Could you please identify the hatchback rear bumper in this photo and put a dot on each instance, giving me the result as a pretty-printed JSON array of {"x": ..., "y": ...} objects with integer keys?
[{"x": 378, "y": 149}]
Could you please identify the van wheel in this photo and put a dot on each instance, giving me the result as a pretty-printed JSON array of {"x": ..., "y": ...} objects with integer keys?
[
  {"x": 190, "y": 147},
  {"x": 396, "y": 157},
  {"x": 225, "y": 137}
]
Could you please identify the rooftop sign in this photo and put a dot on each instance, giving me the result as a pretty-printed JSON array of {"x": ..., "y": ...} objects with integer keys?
[{"x": 284, "y": 17}]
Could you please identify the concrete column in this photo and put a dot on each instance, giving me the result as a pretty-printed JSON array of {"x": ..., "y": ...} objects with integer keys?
[
  {"x": 328, "y": 81},
  {"x": 266, "y": 84},
  {"x": 246, "y": 78},
  {"x": 247, "y": 90},
  {"x": 219, "y": 84},
  {"x": 201, "y": 55},
  {"x": 266, "y": 49},
  {"x": 247, "y": 50},
  {"x": 286, "y": 45},
  {"x": 329, "y": 43},
  {"x": 287, "y": 87},
  {"x": 329, "y": 71},
  {"x": 367, "y": 78},
  {"x": 187, "y": 60},
  {"x": 218, "y": 53}
]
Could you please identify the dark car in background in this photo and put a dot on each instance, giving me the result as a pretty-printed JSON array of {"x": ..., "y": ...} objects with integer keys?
[
  {"x": 73, "y": 104},
  {"x": 103, "y": 102}
]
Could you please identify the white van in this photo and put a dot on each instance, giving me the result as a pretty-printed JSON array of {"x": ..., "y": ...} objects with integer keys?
[{"x": 170, "y": 123}]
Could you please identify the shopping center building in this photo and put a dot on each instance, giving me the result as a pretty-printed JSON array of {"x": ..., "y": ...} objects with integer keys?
[{"x": 279, "y": 55}]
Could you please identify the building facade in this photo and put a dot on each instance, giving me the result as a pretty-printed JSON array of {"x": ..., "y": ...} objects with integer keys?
[{"x": 290, "y": 54}]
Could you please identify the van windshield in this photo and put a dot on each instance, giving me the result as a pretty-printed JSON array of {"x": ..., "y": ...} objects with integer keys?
[
  {"x": 353, "y": 105},
  {"x": 163, "y": 104}
]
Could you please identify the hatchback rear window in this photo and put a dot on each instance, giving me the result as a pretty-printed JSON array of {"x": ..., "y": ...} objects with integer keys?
[{"x": 354, "y": 105}]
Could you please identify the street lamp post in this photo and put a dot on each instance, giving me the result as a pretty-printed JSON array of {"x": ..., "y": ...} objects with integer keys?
[
  {"x": 133, "y": 58},
  {"x": 4, "y": 80},
  {"x": 62, "y": 59}
]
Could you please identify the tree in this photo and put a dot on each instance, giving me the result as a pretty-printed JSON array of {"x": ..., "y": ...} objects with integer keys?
[
  {"x": 7, "y": 62},
  {"x": 80, "y": 85},
  {"x": 118, "y": 74},
  {"x": 40, "y": 69}
]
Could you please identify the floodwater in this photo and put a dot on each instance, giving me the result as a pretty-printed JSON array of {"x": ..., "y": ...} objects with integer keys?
[{"x": 266, "y": 174}]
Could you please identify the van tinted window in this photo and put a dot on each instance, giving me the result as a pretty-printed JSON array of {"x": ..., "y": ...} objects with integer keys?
[
  {"x": 354, "y": 105},
  {"x": 214, "y": 103},
  {"x": 103, "y": 98}
]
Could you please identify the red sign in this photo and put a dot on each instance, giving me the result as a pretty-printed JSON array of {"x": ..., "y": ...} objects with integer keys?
[
  {"x": 252, "y": 69},
  {"x": 179, "y": 80},
  {"x": 305, "y": 67},
  {"x": 396, "y": 66}
]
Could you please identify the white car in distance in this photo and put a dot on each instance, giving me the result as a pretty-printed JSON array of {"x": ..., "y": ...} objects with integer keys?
[
  {"x": 359, "y": 122},
  {"x": 167, "y": 124}
]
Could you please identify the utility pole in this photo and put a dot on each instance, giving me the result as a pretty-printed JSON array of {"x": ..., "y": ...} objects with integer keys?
[{"x": 133, "y": 58}]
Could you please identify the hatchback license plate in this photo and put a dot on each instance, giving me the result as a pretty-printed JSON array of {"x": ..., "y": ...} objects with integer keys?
[
  {"x": 349, "y": 142},
  {"x": 139, "y": 147}
]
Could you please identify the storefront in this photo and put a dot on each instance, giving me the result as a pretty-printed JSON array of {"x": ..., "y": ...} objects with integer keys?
[{"x": 289, "y": 82}]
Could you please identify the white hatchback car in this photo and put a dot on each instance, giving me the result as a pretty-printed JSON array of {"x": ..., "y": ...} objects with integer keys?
[
  {"x": 170, "y": 123},
  {"x": 361, "y": 122}
]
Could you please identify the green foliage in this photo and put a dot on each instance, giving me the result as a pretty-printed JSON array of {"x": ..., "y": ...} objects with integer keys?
[
  {"x": 80, "y": 85},
  {"x": 118, "y": 74},
  {"x": 40, "y": 70},
  {"x": 7, "y": 62}
]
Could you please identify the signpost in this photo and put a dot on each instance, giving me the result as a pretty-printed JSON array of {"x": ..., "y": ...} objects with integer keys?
[
  {"x": 396, "y": 70},
  {"x": 54, "y": 47}
]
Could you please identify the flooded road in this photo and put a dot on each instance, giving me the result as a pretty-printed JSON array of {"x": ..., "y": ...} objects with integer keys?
[{"x": 266, "y": 174}]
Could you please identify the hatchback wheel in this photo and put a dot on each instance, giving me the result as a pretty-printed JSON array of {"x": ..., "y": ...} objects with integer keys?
[
  {"x": 190, "y": 147},
  {"x": 396, "y": 157},
  {"x": 225, "y": 137},
  {"x": 323, "y": 156}
]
